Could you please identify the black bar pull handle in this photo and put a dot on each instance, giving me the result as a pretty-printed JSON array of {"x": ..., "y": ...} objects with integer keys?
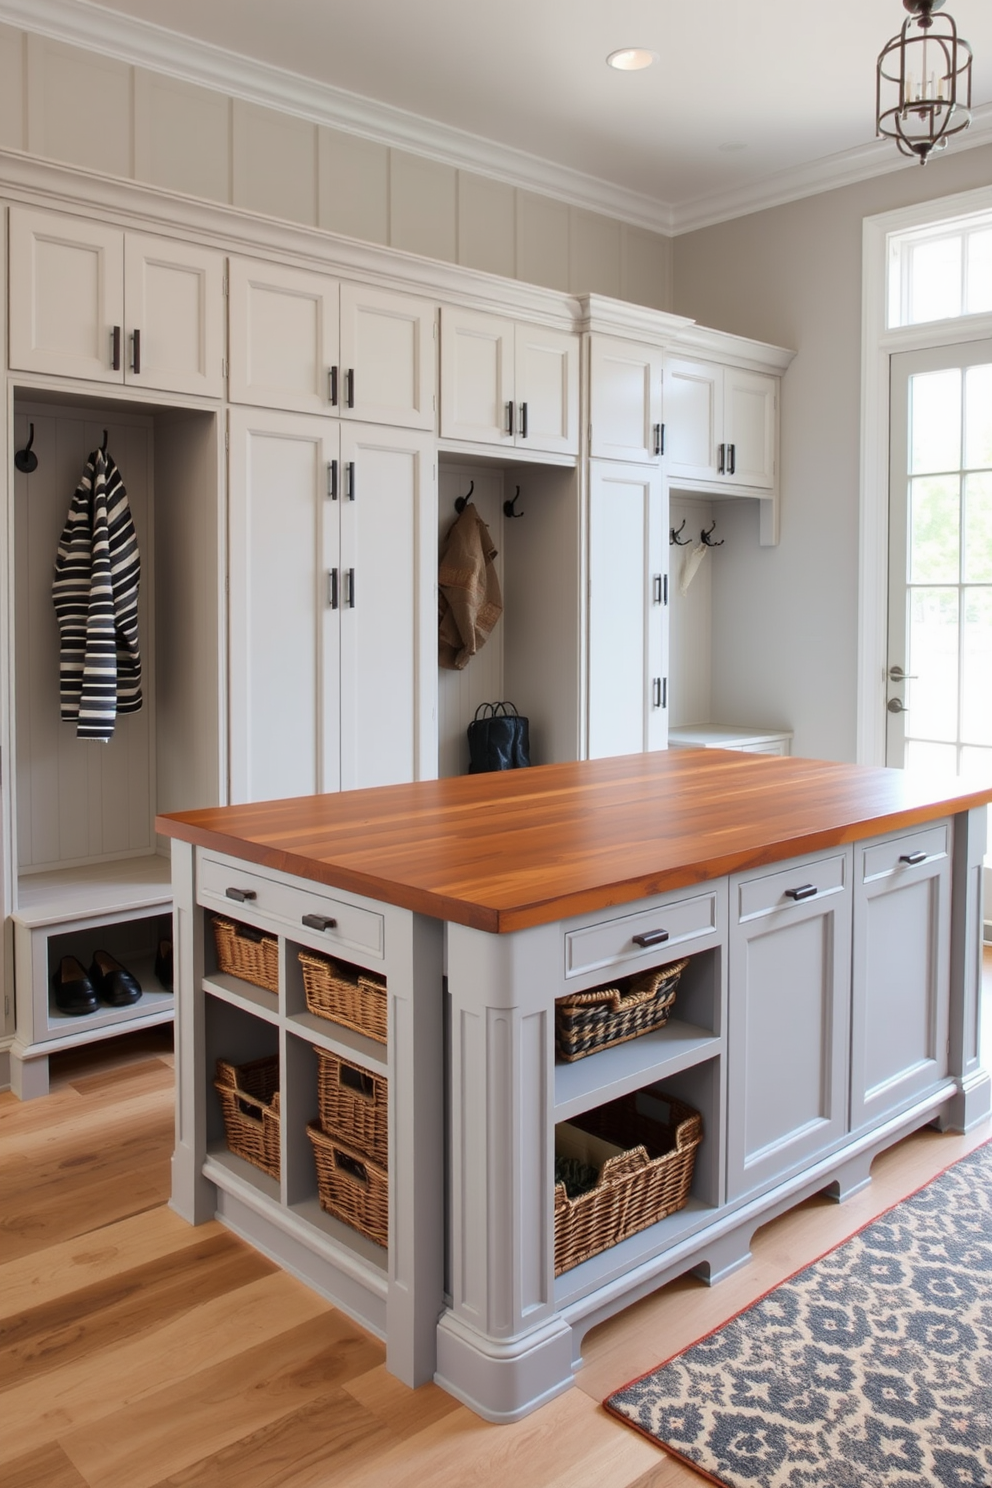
[
  {"x": 332, "y": 588},
  {"x": 332, "y": 386},
  {"x": 731, "y": 459},
  {"x": 349, "y": 482},
  {"x": 241, "y": 896},
  {"x": 523, "y": 421},
  {"x": 115, "y": 337},
  {"x": 349, "y": 387},
  {"x": 659, "y": 439},
  {"x": 319, "y": 922},
  {"x": 657, "y": 589},
  {"x": 805, "y": 891},
  {"x": 332, "y": 479},
  {"x": 913, "y": 858},
  {"x": 136, "y": 351},
  {"x": 721, "y": 459},
  {"x": 656, "y": 691},
  {"x": 650, "y": 938},
  {"x": 509, "y": 419},
  {"x": 351, "y": 588}
]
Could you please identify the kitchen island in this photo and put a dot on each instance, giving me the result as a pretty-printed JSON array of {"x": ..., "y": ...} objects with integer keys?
[{"x": 830, "y": 916}]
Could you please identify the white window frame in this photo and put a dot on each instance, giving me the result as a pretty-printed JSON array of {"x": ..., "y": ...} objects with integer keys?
[{"x": 878, "y": 343}]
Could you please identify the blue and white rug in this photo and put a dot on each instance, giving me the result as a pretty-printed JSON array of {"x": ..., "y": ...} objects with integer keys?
[{"x": 870, "y": 1368}]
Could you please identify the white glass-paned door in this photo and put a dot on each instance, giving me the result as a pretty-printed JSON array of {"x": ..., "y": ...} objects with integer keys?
[{"x": 940, "y": 562}]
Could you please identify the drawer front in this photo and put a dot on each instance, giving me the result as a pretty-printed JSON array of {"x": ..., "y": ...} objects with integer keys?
[
  {"x": 775, "y": 891},
  {"x": 336, "y": 923},
  {"x": 612, "y": 942},
  {"x": 892, "y": 856}
]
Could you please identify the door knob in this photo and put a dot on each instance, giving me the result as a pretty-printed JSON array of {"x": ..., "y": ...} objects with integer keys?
[
  {"x": 896, "y": 674},
  {"x": 896, "y": 705}
]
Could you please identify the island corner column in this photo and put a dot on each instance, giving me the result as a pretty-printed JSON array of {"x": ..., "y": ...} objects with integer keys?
[
  {"x": 501, "y": 1349},
  {"x": 974, "y": 1098}
]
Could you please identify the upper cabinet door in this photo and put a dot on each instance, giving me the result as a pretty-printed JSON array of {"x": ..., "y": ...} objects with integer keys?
[
  {"x": 477, "y": 353},
  {"x": 546, "y": 365},
  {"x": 174, "y": 316},
  {"x": 388, "y": 358},
  {"x": 284, "y": 338},
  {"x": 625, "y": 400},
  {"x": 66, "y": 296},
  {"x": 750, "y": 426},
  {"x": 694, "y": 418}
]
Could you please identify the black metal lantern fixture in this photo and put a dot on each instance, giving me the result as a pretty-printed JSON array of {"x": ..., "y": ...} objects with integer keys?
[{"x": 923, "y": 91}]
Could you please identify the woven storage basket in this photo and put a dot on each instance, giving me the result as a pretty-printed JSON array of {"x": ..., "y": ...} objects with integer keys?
[
  {"x": 249, "y": 1097},
  {"x": 354, "y": 1104},
  {"x": 245, "y": 952},
  {"x": 344, "y": 994},
  {"x": 651, "y": 1177},
  {"x": 604, "y": 1016},
  {"x": 351, "y": 1188}
]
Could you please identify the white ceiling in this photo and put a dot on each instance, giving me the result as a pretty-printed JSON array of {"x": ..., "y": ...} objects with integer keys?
[{"x": 748, "y": 102}]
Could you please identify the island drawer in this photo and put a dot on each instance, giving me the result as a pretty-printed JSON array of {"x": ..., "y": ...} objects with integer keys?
[
  {"x": 792, "y": 886},
  {"x": 897, "y": 854},
  {"x": 614, "y": 942},
  {"x": 226, "y": 884}
]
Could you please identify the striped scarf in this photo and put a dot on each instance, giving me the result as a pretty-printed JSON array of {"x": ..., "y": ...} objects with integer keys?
[{"x": 95, "y": 591}]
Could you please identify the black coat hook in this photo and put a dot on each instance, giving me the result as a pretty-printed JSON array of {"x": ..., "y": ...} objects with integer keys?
[
  {"x": 704, "y": 536},
  {"x": 26, "y": 460},
  {"x": 673, "y": 536},
  {"x": 103, "y": 447},
  {"x": 510, "y": 507},
  {"x": 461, "y": 502}
]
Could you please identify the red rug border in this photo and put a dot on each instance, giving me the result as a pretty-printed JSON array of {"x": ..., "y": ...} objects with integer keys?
[{"x": 673, "y": 1452}]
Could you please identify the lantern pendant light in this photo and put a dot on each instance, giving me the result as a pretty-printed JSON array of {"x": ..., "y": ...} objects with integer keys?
[{"x": 923, "y": 82}]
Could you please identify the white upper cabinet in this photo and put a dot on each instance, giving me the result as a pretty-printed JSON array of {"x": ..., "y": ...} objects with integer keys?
[
  {"x": 509, "y": 383},
  {"x": 625, "y": 410},
  {"x": 721, "y": 424},
  {"x": 94, "y": 302},
  {"x": 307, "y": 343}
]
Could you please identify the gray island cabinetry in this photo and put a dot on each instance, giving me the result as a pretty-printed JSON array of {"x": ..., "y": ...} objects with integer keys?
[{"x": 829, "y": 916}]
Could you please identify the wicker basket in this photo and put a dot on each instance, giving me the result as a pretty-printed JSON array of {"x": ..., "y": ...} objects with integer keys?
[
  {"x": 351, "y": 1188},
  {"x": 354, "y": 1104},
  {"x": 649, "y": 1179},
  {"x": 245, "y": 952},
  {"x": 588, "y": 1021},
  {"x": 249, "y": 1097},
  {"x": 344, "y": 994}
]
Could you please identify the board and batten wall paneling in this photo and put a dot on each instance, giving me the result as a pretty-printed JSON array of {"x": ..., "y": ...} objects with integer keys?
[
  {"x": 80, "y": 107},
  {"x": 352, "y": 186},
  {"x": 542, "y": 241},
  {"x": 422, "y": 206},
  {"x": 486, "y": 225},
  {"x": 594, "y": 254},
  {"x": 275, "y": 163},
  {"x": 182, "y": 136},
  {"x": 690, "y": 617},
  {"x": 13, "y": 66}
]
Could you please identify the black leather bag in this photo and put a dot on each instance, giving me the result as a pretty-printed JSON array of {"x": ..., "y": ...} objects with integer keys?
[{"x": 498, "y": 739}]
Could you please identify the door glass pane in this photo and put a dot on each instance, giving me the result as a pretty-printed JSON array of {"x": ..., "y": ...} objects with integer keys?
[
  {"x": 935, "y": 522},
  {"x": 979, "y": 273},
  {"x": 977, "y": 763},
  {"x": 978, "y": 418},
  {"x": 976, "y": 667},
  {"x": 978, "y": 529},
  {"x": 935, "y": 421},
  {"x": 933, "y": 656},
  {"x": 935, "y": 280},
  {"x": 931, "y": 759}
]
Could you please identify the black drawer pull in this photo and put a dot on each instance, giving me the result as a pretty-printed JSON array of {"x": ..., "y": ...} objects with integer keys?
[
  {"x": 241, "y": 895},
  {"x": 650, "y": 938},
  {"x": 319, "y": 922},
  {"x": 913, "y": 858},
  {"x": 805, "y": 891}
]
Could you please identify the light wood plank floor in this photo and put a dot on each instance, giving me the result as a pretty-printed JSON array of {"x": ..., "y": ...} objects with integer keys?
[{"x": 137, "y": 1352}]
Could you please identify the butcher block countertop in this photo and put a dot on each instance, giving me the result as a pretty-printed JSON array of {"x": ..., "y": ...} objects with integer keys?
[{"x": 504, "y": 851}]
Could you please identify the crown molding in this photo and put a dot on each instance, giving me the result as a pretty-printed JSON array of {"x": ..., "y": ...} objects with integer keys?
[
  {"x": 91, "y": 27},
  {"x": 879, "y": 158}
]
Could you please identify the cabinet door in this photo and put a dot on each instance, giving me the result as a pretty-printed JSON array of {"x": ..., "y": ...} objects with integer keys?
[
  {"x": 389, "y": 607},
  {"x": 173, "y": 316},
  {"x": 901, "y": 971},
  {"x": 627, "y": 697},
  {"x": 66, "y": 296},
  {"x": 283, "y": 337},
  {"x": 546, "y": 382},
  {"x": 750, "y": 407},
  {"x": 694, "y": 418},
  {"x": 477, "y": 377},
  {"x": 789, "y": 1020},
  {"x": 388, "y": 361},
  {"x": 625, "y": 400},
  {"x": 284, "y": 627}
]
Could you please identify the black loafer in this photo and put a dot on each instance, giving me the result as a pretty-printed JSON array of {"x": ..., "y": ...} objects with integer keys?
[
  {"x": 74, "y": 991},
  {"x": 115, "y": 986}
]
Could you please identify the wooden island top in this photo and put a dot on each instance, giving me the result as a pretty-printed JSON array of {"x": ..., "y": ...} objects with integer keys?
[{"x": 504, "y": 851}]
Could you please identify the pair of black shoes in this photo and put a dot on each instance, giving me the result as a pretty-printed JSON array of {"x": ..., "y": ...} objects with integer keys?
[{"x": 107, "y": 982}]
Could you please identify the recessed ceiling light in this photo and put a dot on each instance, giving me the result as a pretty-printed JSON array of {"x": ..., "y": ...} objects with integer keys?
[{"x": 631, "y": 59}]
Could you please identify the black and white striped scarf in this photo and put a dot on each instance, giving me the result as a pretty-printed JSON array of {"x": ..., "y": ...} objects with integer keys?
[{"x": 95, "y": 590}]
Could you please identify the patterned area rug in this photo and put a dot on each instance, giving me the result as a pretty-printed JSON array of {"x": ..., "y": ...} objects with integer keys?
[{"x": 871, "y": 1368}]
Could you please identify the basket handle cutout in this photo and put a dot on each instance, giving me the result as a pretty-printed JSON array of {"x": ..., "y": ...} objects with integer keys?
[
  {"x": 249, "y": 1109},
  {"x": 357, "y": 1080},
  {"x": 248, "y": 932},
  {"x": 351, "y": 1166}
]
